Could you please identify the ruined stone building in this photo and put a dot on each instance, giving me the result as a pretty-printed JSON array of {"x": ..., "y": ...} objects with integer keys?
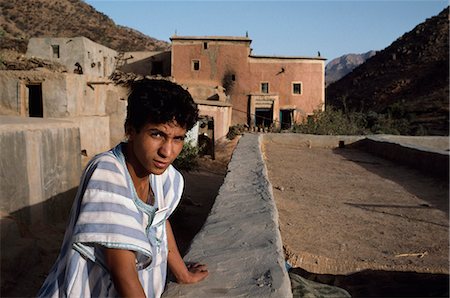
[
  {"x": 79, "y": 54},
  {"x": 54, "y": 117},
  {"x": 79, "y": 91}
]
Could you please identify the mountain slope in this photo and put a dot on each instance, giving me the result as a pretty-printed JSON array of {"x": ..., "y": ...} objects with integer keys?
[
  {"x": 409, "y": 79},
  {"x": 339, "y": 67},
  {"x": 22, "y": 19}
]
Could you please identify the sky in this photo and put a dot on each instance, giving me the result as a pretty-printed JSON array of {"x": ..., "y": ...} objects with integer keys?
[{"x": 278, "y": 28}]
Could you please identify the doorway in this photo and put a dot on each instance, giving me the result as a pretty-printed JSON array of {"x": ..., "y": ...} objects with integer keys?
[
  {"x": 263, "y": 117},
  {"x": 35, "y": 106},
  {"x": 286, "y": 119}
]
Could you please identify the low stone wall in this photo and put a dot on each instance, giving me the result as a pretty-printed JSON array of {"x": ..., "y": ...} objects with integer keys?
[
  {"x": 39, "y": 164},
  {"x": 429, "y": 154},
  {"x": 94, "y": 135},
  {"x": 424, "y": 157},
  {"x": 240, "y": 241}
]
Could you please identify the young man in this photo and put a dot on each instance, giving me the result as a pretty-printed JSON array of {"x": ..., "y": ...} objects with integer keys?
[{"x": 119, "y": 239}]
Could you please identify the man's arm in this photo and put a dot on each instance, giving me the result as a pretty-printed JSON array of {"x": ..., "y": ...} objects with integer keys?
[
  {"x": 184, "y": 275},
  {"x": 122, "y": 267}
]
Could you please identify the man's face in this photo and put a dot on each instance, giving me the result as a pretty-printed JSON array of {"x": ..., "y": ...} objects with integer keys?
[{"x": 156, "y": 146}]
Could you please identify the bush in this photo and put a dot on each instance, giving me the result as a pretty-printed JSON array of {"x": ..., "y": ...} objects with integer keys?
[
  {"x": 333, "y": 122},
  {"x": 235, "y": 130},
  {"x": 336, "y": 122},
  {"x": 187, "y": 160}
]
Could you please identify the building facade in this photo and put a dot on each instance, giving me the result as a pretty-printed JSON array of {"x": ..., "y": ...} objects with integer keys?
[
  {"x": 78, "y": 54},
  {"x": 263, "y": 91}
]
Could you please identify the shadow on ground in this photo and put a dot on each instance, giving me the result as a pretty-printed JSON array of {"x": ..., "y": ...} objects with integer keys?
[
  {"x": 379, "y": 283},
  {"x": 201, "y": 189},
  {"x": 418, "y": 187}
]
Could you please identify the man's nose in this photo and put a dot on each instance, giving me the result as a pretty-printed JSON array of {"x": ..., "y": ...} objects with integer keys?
[{"x": 166, "y": 148}]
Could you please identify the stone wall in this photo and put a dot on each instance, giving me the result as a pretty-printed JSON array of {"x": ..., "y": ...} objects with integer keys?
[
  {"x": 97, "y": 105},
  {"x": 95, "y": 59},
  {"x": 39, "y": 167}
]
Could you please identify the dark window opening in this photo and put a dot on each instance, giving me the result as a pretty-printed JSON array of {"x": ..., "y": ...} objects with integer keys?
[
  {"x": 205, "y": 45},
  {"x": 157, "y": 68},
  {"x": 35, "y": 106},
  {"x": 297, "y": 88},
  {"x": 55, "y": 50},
  {"x": 233, "y": 77},
  {"x": 286, "y": 119},
  {"x": 263, "y": 117},
  {"x": 195, "y": 64},
  {"x": 264, "y": 87}
]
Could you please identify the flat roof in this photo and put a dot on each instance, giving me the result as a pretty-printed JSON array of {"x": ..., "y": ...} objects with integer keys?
[
  {"x": 215, "y": 38},
  {"x": 287, "y": 57}
]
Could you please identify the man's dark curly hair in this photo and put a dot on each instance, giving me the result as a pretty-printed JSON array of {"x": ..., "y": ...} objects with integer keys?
[{"x": 159, "y": 101}]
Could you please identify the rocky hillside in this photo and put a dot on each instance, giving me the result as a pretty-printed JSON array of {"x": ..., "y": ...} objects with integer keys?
[
  {"x": 22, "y": 19},
  {"x": 408, "y": 80},
  {"x": 339, "y": 67}
]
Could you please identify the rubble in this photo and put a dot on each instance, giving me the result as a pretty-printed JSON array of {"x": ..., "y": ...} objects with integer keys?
[{"x": 12, "y": 60}]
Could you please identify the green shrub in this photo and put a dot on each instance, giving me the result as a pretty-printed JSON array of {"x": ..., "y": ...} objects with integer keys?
[
  {"x": 395, "y": 121},
  {"x": 188, "y": 158},
  {"x": 235, "y": 131},
  {"x": 332, "y": 122}
]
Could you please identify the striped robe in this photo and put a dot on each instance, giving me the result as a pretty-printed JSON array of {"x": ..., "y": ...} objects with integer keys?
[{"x": 108, "y": 213}]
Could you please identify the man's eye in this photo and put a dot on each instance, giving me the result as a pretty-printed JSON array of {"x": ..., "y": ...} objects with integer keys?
[
  {"x": 179, "y": 140},
  {"x": 156, "y": 135}
]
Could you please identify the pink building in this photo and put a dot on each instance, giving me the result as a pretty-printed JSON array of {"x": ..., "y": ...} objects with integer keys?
[{"x": 233, "y": 85}]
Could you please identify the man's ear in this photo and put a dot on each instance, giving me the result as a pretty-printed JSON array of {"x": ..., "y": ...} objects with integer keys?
[{"x": 130, "y": 132}]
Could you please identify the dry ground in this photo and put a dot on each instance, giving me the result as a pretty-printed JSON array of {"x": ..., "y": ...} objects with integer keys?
[{"x": 360, "y": 222}]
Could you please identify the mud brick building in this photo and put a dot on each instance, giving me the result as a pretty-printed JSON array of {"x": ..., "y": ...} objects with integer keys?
[{"x": 262, "y": 90}]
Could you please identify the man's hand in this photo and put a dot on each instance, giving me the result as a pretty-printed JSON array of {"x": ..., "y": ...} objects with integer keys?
[
  {"x": 184, "y": 273},
  {"x": 196, "y": 272}
]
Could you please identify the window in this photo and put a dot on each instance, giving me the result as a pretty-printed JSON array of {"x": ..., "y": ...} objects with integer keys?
[
  {"x": 55, "y": 50},
  {"x": 265, "y": 87},
  {"x": 195, "y": 64},
  {"x": 205, "y": 45},
  {"x": 297, "y": 88},
  {"x": 157, "y": 68}
]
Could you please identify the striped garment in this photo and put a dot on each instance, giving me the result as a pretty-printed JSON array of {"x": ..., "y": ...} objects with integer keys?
[{"x": 108, "y": 213}]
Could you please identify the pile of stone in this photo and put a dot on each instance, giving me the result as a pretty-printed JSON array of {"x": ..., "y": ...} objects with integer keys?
[{"x": 11, "y": 60}]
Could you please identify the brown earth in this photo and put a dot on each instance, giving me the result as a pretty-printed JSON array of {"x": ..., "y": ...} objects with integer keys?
[{"x": 360, "y": 222}]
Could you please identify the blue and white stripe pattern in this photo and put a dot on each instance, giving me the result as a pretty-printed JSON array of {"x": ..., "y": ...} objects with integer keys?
[{"x": 108, "y": 213}]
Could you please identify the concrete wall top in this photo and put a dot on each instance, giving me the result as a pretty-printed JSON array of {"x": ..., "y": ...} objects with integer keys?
[
  {"x": 425, "y": 143},
  {"x": 240, "y": 241},
  {"x": 13, "y": 123},
  {"x": 307, "y": 140}
]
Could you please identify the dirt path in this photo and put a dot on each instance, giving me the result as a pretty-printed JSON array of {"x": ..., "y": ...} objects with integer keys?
[{"x": 344, "y": 211}]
